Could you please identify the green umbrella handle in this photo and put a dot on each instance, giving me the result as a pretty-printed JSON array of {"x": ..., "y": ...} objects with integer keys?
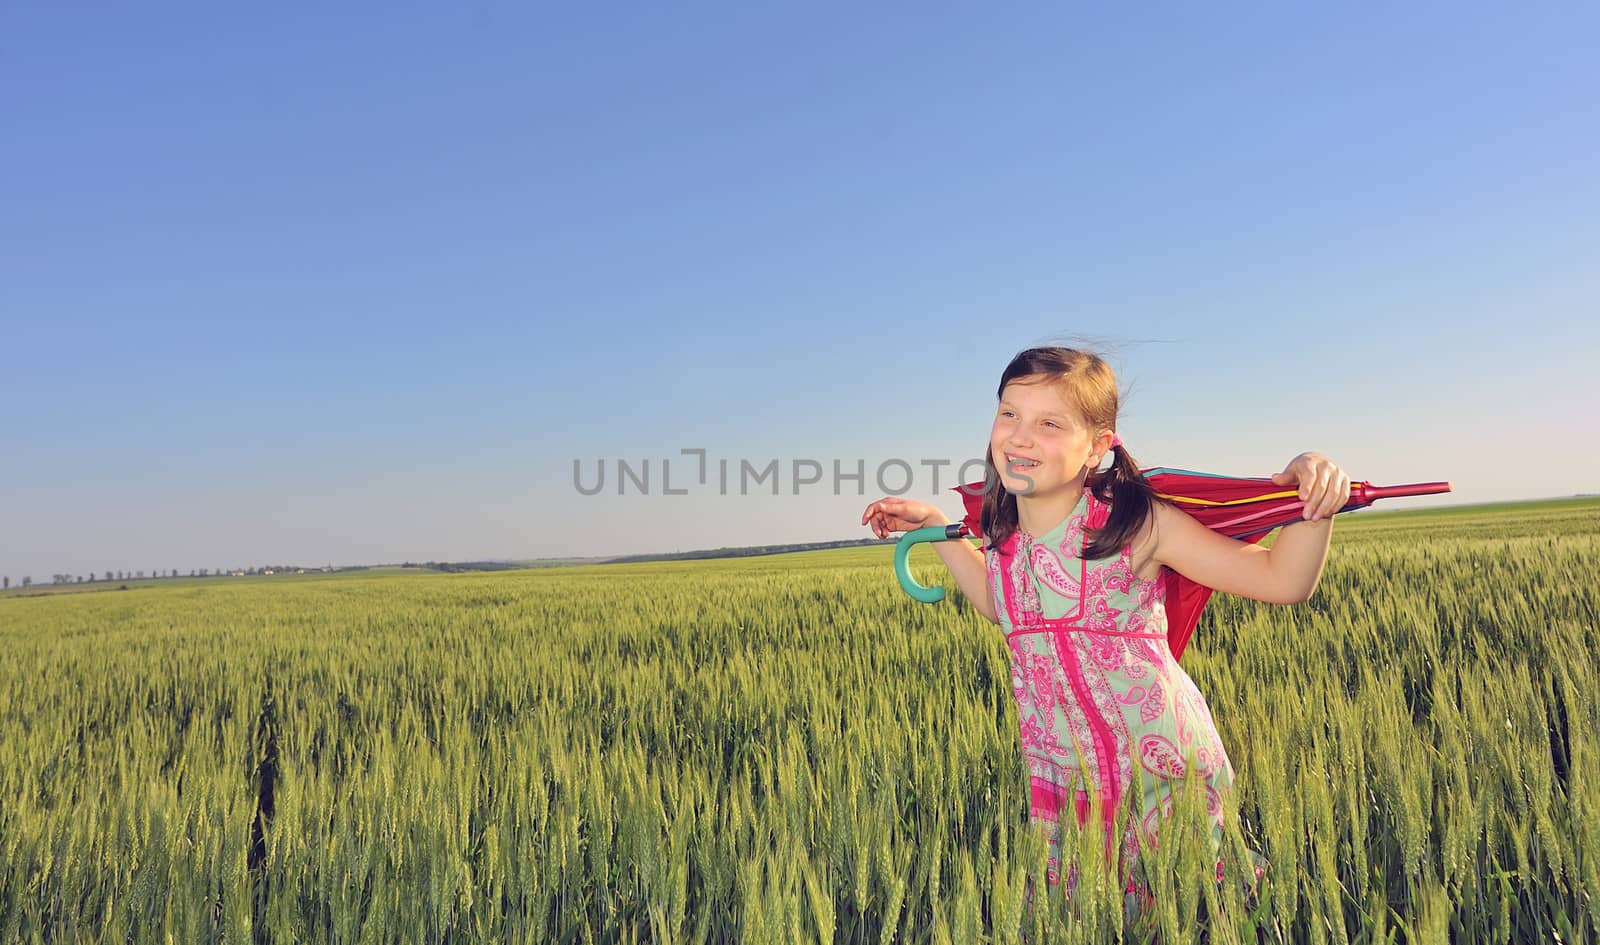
[{"x": 902, "y": 548}]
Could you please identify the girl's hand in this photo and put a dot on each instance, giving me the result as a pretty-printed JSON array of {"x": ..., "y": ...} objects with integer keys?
[
  {"x": 895, "y": 514},
  {"x": 1324, "y": 487}
]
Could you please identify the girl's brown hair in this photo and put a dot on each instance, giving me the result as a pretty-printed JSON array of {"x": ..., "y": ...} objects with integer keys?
[{"x": 1091, "y": 388}]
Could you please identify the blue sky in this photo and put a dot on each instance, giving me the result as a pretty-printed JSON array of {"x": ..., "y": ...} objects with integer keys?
[{"x": 361, "y": 285}]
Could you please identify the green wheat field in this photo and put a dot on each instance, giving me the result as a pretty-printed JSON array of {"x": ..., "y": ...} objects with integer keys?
[{"x": 789, "y": 749}]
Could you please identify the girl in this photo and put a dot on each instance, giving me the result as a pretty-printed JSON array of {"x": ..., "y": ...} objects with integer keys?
[{"x": 1072, "y": 571}]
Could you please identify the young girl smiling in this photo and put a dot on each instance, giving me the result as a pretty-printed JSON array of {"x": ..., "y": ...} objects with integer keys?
[{"x": 1072, "y": 570}]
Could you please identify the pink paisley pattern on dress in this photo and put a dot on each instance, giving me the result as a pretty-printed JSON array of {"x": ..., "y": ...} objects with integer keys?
[
  {"x": 1037, "y": 693},
  {"x": 1160, "y": 756},
  {"x": 1027, "y": 595},
  {"x": 1154, "y": 704},
  {"x": 1048, "y": 569},
  {"x": 1096, "y": 686},
  {"x": 1102, "y": 709}
]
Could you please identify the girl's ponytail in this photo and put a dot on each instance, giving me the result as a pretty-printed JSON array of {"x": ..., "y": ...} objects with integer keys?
[
  {"x": 1132, "y": 500},
  {"x": 998, "y": 519}
]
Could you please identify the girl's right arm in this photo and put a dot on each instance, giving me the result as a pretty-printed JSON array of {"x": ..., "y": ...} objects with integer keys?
[
  {"x": 971, "y": 573},
  {"x": 965, "y": 562}
]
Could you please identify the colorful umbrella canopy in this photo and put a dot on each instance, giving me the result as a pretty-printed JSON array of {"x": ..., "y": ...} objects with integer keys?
[{"x": 1242, "y": 508}]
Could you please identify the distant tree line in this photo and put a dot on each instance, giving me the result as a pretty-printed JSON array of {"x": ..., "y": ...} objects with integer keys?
[
  {"x": 749, "y": 552},
  {"x": 451, "y": 567},
  {"x": 454, "y": 567},
  {"x": 157, "y": 573}
]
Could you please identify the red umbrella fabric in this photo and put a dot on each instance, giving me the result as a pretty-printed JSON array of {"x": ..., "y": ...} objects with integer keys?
[{"x": 1242, "y": 508}]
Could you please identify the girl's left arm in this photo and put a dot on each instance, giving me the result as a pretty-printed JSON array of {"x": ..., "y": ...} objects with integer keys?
[{"x": 1286, "y": 573}]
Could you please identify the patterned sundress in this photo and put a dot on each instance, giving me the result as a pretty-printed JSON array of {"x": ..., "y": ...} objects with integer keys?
[{"x": 1098, "y": 691}]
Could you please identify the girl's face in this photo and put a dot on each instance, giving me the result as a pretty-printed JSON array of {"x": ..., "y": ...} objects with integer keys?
[{"x": 1034, "y": 424}]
